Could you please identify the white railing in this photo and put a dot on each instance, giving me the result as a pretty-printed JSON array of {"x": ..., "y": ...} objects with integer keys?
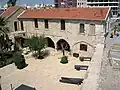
[{"x": 18, "y": 33}]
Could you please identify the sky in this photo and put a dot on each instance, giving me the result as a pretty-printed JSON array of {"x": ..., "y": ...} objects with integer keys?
[{"x": 30, "y": 2}]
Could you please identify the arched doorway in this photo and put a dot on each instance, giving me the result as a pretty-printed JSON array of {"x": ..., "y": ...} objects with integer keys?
[
  {"x": 84, "y": 45},
  {"x": 63, "y": 43},
  {"x": 50, "y": 42}
]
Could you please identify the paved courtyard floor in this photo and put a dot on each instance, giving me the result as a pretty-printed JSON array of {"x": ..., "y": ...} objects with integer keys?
[{"x": 43, "y": 74}]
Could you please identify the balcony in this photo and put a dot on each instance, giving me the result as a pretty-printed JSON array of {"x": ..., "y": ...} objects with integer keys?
[{"x": 19, "y": 33}]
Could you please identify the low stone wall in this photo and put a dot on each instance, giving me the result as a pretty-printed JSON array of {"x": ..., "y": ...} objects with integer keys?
[{"x": 92, "y": 78}]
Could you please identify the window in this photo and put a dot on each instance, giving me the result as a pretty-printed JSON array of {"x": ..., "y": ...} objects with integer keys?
[
  {"x": 83, "y": 47},
  {"x": 62, "y": 24},
  {"x": 92, "y": 29},
  {"x": 46, "y": 24},
  {"x": 36, "y": 23},
  {"x": 22, "y": 27},
  {"x": 82, "y": 28},
  {"x": 15, "y": 26}
]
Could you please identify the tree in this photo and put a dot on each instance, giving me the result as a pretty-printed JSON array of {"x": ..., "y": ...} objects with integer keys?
[
  {"x": 3, "y": 28},
  {"x": 64, "y": 46},
  {"x": 36, "y": 43},
  {"x": 19, "y": 60},
  {"x": 64, "y": 59},
  {"x": 116, "y": 28},
  {"x": 11, "y": 3},
  {"x": 4, "y": 39}
]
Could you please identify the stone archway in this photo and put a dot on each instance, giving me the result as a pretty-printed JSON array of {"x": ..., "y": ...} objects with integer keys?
[
  {"x": 83, "y": 48},
  {"x": 50, "y": 42},
  {"x": 65, "y": 44},
  {"x": 85, "y": 43}
]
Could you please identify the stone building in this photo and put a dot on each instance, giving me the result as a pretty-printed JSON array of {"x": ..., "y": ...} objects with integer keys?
[
  {"x": 65, "y": 3},
  {"x": 80, "y": 29},
  {"x": 10, "y": 15},
  {"x": 114, "y": 4}
]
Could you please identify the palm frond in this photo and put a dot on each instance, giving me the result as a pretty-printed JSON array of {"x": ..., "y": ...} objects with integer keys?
[
  {"x": 3, "y": 21},
  {"x": 116, "y": 27},
  {"x": 3, "y": 28}
]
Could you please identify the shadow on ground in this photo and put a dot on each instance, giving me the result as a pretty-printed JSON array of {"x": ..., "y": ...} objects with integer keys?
[{"x": 43, "y": 54}]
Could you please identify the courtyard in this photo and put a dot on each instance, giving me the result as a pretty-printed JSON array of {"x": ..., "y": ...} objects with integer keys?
[{"x": 43, "y": 74}]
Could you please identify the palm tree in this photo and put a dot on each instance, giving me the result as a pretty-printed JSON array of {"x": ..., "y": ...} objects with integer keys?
[
  {"x": 11, "y": 3},
  {"x": 3, "y": 28},
  {"x": 116, "y": 28},
  {"x": 3, "y": 36},
  {"x": 36, "y": 43}
]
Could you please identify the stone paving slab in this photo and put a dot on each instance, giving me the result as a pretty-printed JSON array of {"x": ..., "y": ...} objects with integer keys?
[{"x": 42, "y": 74}]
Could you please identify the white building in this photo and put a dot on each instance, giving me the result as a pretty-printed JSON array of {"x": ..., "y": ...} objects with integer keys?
[
  {"x": 81, "y": 3},
  {"x": 79, "y": 28},
  {"x": 114, "y": 4}
]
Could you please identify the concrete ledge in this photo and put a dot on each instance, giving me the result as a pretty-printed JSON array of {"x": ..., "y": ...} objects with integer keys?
[{"x": 91, "y": 82}]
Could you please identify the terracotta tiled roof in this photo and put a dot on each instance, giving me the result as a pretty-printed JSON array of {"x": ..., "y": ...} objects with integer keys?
[
  {"x": 67, "y": 13},
  {"x": 9, "y": 11}
]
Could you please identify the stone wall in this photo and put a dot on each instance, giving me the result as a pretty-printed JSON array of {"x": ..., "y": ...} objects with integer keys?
[
  {"x": 70, "y": 34},
  {"x": 91, "y": 82},
  {"x": 13, "y": 18}
]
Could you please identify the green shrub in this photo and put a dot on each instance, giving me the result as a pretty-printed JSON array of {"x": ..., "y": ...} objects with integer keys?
[
  {"x": 6, "y": 62},
  {"x": 9, "y": 61},
  {"x": 64, "y": 60},
  {"x": 2, "y": 64},
  {"x": 19, "y": 60}
]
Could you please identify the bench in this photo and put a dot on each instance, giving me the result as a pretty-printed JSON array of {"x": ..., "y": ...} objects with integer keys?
[
  {"x": 81, "y": 67},
  {"x": 77, "y": 81},
  {"x": 85, "y": 58},
  {"x": 76, "y": 55}
]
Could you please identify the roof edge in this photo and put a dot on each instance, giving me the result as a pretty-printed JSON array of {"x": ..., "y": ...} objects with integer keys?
[
  {"x": 108, "y": 13},
  {"x": 63, "y": 18},
  {"x": 2, "y": 13},
  {"x": 21, "y": 14},
  {"x": 14, "y": 12},
  {"x": 11, "y": 13},
  {"x": 105, "y": 17}
]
